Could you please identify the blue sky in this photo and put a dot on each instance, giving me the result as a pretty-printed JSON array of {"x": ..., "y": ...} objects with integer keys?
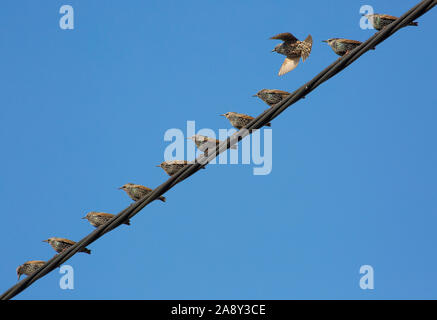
[{"x": 84, "y": 111}]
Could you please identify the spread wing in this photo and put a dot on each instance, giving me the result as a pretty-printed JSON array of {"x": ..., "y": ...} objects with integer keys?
[
  {"x": 306, "y": 46},
  {"x": 288, "y": 65},
  {"x": 285, "y": 36}
]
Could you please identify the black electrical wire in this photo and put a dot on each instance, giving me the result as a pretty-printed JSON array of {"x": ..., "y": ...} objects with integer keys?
[{"x": 257, "y": 123}]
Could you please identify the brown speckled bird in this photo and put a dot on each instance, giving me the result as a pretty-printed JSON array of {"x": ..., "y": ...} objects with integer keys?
[
  {"x": 204, "y": 143},
  {"x": 379, "y": 21},
  {"x": 137, "y": 191},
  {"x": 29, "y": 267},
  {"x": 97, "y": 219},
  {"x": 342, "y": 46},
  {"x": 239, "y": 120},
  {"x": 272, "y": 96},
  {"x": 173, "y": 166},
  {"x": 293, "y": 49},
  {"x": 60, "y": 244}
]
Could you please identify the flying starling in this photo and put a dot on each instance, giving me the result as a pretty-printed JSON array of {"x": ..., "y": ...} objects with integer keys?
[
  {"x": 239, "y": 120},
  {"x": 379, "y": 21},
  {"x": 137, "y": 191},
  {"x": 293, "y": 49},
  {"x": 272, "y": 96},
  {"x": 100, "y": 218},
  {"x": 204, "y": 143},
  {"x": 173, "y": 166},
  {"x": 342, "y": 46},
  {"x": 29, "y": 267},
  {"x": 60, "y": 244}
]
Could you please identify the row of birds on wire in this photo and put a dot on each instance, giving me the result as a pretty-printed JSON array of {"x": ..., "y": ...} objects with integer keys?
[{"x": 294, "y": 51}]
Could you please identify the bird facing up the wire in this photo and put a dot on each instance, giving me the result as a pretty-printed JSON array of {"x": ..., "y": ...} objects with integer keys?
[
  {"x": 239, "y": 120},
  {"x": 137, "y": 191},
  {"x": 61, "y": 244},
  {"x": 293, "y": 49},
  {"x": 29, "y": 267},
  {"x": 97, "y": 219},
  {"x": 204, "y": 143},
  {"x": 342, "y": 46},
  {"x": 271, "y": 96},
  {"x": 379, "y": 21}
]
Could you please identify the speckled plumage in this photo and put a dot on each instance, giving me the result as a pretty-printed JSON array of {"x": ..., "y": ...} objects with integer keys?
[
  {"x": 97, "y": 219},
  {"x": 342, "y": 46},
  {"x": 60, "y": 244},
  {"x": 137, "y": 191},
  {"x": 173, "y": 166},
  {"x": 239, "y": 120},
  {"x": 29, "y": 267},
  {"x": 272, "y": 96},
  {"x": 204, "y": 143},
  {"x": 293, "y": 49},
  {"x": 379, "y": 21}
]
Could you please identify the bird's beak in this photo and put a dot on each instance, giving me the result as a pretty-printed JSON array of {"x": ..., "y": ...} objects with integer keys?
[
  {"x": 255, "y": 95},
  {"x": 84, "y": 218},
  {"x": 120, "y": 188},
  {"x": 158, "y": 165},
  {"x": 274, "y": 50},
  {"x": 46, "y": 241},
  {"x": 222, "y": 115},
  {"x": 325, "y": 41},
  {"x": 19, "y": 277}
]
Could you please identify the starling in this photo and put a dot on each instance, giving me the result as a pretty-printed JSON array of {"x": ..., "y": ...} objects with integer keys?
[
  {"x": 60, "y": 244},
  {"x": 173, "y": 166},
  {"x": 137, "y": 191},
  {"x": 239, "y": 120},
  {"x": 272, "y": 96},
  {"x": 379, "y": 21},
  {"x": 29, "y": 267},
  {"x": 342, "y": 46},
  {"x": 100, "y": 218},
  {"x": 205, "y": 143},
  {"x": 293, "y": 49}
]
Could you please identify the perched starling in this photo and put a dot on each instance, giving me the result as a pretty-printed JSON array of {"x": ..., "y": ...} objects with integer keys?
[
  {"x": 342, "y": 46},
  {"x": 272, "y": 96},
  {"x": 239, "y": 120},
  {"x": 60, "y": 244},
  {"x": 173, "y": 166},
  {"x": 205, "y": 143},
  {"x": 29, "y": 267},
  {"x": 100, "y": 218},
  {"x": 137, "y": 191},
  {"x": 293, "y": 49},
  {"x": 379, "y": 21}
]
